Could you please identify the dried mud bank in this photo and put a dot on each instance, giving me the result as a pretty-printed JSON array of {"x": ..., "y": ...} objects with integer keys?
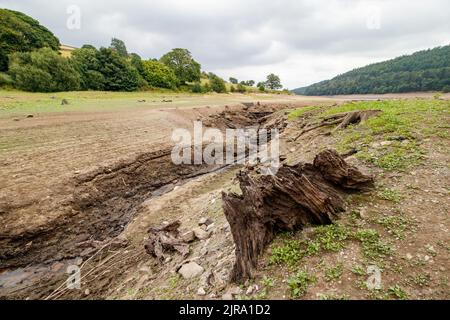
[{"x": 100, "y": 205}]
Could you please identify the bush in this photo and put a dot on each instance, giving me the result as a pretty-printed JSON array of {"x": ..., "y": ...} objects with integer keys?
[
  {"x": 217, "y": 84},
  {"x": 241, "y": 88},
  {"x": 5, "y": 80},
  {"x": 43, "y": 70},
  {"x": 21, "y": 33},
  {"x": 86, "y": 61},
  {"x": 159, "y": 75},
  {"x": 119, "y": 74}
]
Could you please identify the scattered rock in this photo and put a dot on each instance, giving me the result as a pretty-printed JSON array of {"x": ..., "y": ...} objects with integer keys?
[
  {"x": 188, "y": 236},
  {"x": 409, "y": 256},
  {"x": 201, "y": 292},
  {"x": 235, "y": 291},
  {"x": 205, "y": 221},
  {"x": 210, "y": 227},
  {"x": 201, "y": 234},
  {"x": 190, "y": 270},
  {"x": 227, "y": 296},
  {"x": 87, "y": 292},
  {"x": 64, "y": 102},
  {"x": 252, "y": 289},
  {"x": 30, "y": 116}
]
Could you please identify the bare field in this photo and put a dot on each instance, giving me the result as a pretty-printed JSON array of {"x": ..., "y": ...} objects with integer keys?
[{"x": 81, "y": 174}]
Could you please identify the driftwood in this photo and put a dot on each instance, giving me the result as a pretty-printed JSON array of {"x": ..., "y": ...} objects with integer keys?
[
  {"x": 296, "y": 196},
  {"x": 342, "y": 120},
  {"x": 166, "y": 239}
]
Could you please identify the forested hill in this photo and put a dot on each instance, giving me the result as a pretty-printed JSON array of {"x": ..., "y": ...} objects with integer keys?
[{"x": 427, "y": 70}]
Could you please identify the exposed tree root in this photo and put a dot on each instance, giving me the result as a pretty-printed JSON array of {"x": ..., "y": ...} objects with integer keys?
[
  {"x": 166, "y": 239},
  {"x": 342, "y": 120},
  {"x": 295, "y": 196}
]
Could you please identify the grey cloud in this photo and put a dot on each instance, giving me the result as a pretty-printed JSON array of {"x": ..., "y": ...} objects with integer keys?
[{"x": 245, "y": 38}]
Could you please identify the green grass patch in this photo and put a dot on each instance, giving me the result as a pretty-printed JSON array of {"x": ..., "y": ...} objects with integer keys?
[
  {"x": 372, "y": 246},
  {"x": 402, "y": 122},
  {"x": 398, "y": 292},
  {"x": 390, "y": 195},
  {"x": 299, "y": 283},
  {"x": 334, "y": 273},
  {"x": 300, "y": 111}
]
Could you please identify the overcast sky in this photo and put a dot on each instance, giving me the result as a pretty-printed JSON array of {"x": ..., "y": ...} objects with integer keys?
[{"x": 302, "y": 41}]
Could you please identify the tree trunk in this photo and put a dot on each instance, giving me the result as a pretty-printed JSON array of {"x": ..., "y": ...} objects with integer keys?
[{"x": 295, "y": 196}]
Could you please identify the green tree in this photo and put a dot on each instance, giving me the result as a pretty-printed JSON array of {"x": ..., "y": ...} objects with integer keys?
[
  {"x": 183, "y": 64},
  {"x": 86, "y": 61},
  {"x": 43, "y": 70},
  {"x": 119, "y": 74},
  {"x": 119, "y": 46},
  {"x": 261, "y": 86},
  {"x": 21, "y": 33},
  {"x": 159, "y": 75},
  {"x": 217, "y": 84},
  {"x": 233, "y": 80},
  {"x": 241, "y": 88},
  {"x": 273, "y": 82}
]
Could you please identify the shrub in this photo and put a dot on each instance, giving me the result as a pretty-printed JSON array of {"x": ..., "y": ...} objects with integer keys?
[
  {"x": 241, "y": 88},
  {"x": 119, "y": 74},
  {"x": 88, "y": 65},
  {"x": 5, "y": 80},
  {"x": 217, "y": 84},
  {"x": 43, "y": 70}
]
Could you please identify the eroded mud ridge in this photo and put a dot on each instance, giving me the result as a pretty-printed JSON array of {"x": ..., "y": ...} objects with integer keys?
[{"x": 104, "y": 201}]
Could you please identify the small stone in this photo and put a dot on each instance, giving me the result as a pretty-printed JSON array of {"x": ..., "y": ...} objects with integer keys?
[
  {"x": 190, "y": 270},
  {"x": 426, "y": 258},
  {"x": 250, "y": 290},
  {"x": 235, "y": 291},
  {"x": 145, "y": 270},
  {"x": 210, "y": 227},
  {"x": 201, "y": 234},
  {"x": 205, "y": 221},
  {"x": 30, "y": 116},
  {"x": 227, "y": 296},
  {"x": 409, "y": 256},
  {"x": 201, "y": 292},
  {"x": 385, "y": 143},
  {"x": 87, "y": 292},
  {"x": 188, "y": 236}
]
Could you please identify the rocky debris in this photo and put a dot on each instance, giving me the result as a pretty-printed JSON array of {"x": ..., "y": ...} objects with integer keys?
[
  {"x": 205, "y": 221},
  {"x": 166, "y": 239},
  {"x": 190, "y": 270},
  {"x": 201, "y": 234},
  {"x": 64, "y": 102},
  {"x": 201, "y": 292},
  {"x": 30, "y": 116},
  {"x": 188, "y": 237},
  {"x": 296, "y": 196},
  {"x": 252, "y": 289}
]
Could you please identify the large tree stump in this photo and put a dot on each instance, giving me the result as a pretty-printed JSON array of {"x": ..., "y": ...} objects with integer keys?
[{"x": 296, "y": 196}]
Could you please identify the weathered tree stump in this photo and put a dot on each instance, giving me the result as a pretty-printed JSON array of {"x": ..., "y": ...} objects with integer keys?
[{"x": 296, "y": 196}]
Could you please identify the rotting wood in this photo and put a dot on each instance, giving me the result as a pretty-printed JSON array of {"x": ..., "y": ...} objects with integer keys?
[
  {"x": 296, "y": 196},
  {"x": 342, "y": 120}
]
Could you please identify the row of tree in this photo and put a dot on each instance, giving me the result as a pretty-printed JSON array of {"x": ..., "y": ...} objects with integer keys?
[
  {"x": 29, "y": 54},
  {"x": 427, "y": 70}
]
